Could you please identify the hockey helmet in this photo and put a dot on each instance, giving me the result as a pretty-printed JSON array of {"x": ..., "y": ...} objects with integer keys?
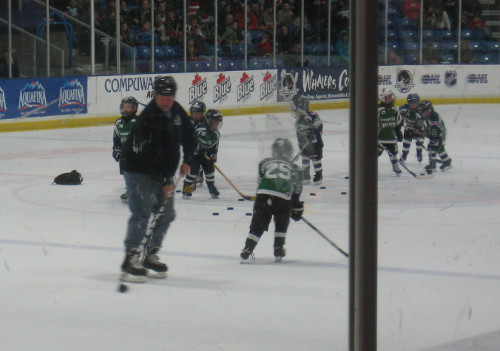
[
  {"x": 214, "y": 119},
  {"x": 387, "y": 96},
  {"x": 165, "y": 85},
  {"x": 198, "y": 106},
  {"x": 300, "y": 104},
  {"x": 131, "y": 101},
  {"x": 283, "y": 149},
  {"x": 425, "y": 106},
  {"x": 413, "y": 98}
]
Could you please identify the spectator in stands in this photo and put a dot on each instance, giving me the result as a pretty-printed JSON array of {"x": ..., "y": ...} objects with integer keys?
[
  {"x": 466, "y": 53},
  {"x": 411, "y": 10},
  {"x": 437, "y": 18},
  {"x": 451, "y": 8},
  {"x": 141, "y": 14},
  {"x": 478, "y": 24},
  {"x": 265, "y": 47},
  {"x": 231, "y": 36},
  {"x": 431, "y": 56},
  {"x": 201, "y": 43},
  {"x": 160, "y": 29},
  {"x": 285, "y": 14},
  {"x": 393, "y": 58},
  {"x": 284, "y": 40},
  {"x": 266, "y": 20},
  {"x": 342, "y": 48},
  {"x": 73, "y": 9},
  {"x": 143, "y": 36},
  {"x": 341, "y": 15},
  {"x": 4, "y": 65},
  {"x": 125, "y": 35}
]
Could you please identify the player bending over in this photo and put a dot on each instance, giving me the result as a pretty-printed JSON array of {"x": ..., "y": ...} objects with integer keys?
[
  {"x": 389, "y": 126},
  {"x": 278, "y": 197},
  {"x": 309, "y": 129},
  {"x": 207, "y": 135},
  {"x": 123, "y": 126}
]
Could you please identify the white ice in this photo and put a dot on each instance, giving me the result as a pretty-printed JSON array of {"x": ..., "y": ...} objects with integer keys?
[{"x": 61, "y": 248}]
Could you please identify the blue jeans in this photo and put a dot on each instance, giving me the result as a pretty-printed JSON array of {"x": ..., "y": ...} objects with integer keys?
[{"x": 145, "y": 198}]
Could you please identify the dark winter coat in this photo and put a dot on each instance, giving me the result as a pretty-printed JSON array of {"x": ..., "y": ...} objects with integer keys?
[{"x": 153, "y": 146}]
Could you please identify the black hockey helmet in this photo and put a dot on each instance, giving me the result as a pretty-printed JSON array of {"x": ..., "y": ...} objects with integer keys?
[
  {"x": 132, "y": 101},
  {"x": 300, "y": 104},
  {"x": 413, "y": 98},
  {"x": 165, "y": 85},
  {"x": 282, "y": 148},
  {"x": 214, "y": 119},
  {"x": 425, "y": 106},
  {"x": 198, "y": 106}
]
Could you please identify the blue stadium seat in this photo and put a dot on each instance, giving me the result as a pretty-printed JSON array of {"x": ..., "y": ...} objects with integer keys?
[
  {"x": 207, "y": 65},
  {"x": 485, "y": 59},
  {"x": 407, "y": 23},
  {"x": 447, "y": 58},
  {"x": 449, "y": 47},
  {"x": 478, "y": 47},
  {"x": 466, "y": 34},
  {"x": 160, "y": 67},
  {"x": 493, "y": 46},
  {"x": 411, "y": 59},
  {"x": 408, "y": 35},
  {"x": 194, "y": 66},
  {"x": 436, "y": 45},
  {"x": 393, "y": 45},
  {"x": 168, "y": 51},
  {"x": 143, "y": 52},
  {"x": 444, "y": 35},
  {"x": 172, "y": 66},
  {"x": 410, "y": 46},
  {"x": 428, "y": 35},
  {"x": 158, "y": 53},
  {"x": 478, "y": 34}
]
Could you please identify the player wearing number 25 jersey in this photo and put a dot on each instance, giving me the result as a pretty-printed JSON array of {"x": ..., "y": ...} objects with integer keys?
[{"x": 278, "y": 196}]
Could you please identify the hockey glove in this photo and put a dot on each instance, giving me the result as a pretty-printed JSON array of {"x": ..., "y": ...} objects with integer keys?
[
  {"x": 117, "y": 155},
  {"x": 297, "y": 211}
]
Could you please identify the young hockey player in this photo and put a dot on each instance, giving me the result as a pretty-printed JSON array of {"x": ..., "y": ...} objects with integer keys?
[
  {"x": 278, "y": 196},
  {"x": 414, "y": 126},
  {"x": 389, "y": 127},
  {"x": 197, "y": 113},
  {"x": 123, "y": 125},
  {"x": 208, "y": 135},
  {"x": 309, "y": 129},
  {"x": 436, "y": 132}
]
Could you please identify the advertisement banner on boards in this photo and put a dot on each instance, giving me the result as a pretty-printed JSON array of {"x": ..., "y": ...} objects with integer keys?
[
  {"x": 42, "y": 97},
  {"x": 224, "y": 89},
  {"x": 319, "y": 83}
]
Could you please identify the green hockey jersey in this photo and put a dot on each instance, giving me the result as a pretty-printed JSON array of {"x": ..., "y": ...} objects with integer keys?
[{"x": 279, "y": 178}]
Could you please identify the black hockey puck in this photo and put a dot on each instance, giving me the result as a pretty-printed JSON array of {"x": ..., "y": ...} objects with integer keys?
[
  {"x": 249, "y": 213},
  {"x": 241, "y": 199},
  {"x": 346, "y": 177},
  {"x": 230, "y": 208},
  {"x": 215, "y": 213},
  {"x": 312, "y": 194},
  {"x": 343, "y": 193},
  {"x": 178, "y": 191},
  {"x": 122, "y": 288},
  {"x": 322, "y": 187}
]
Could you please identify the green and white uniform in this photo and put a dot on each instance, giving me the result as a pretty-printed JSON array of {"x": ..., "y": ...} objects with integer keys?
[{"x": 279, "y": 178}]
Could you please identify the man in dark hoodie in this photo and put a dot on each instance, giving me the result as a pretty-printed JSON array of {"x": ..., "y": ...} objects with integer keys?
[{"x": 151, "y": 155}]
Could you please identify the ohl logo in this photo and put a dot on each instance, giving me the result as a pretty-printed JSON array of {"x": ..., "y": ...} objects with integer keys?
[
  {"x": 198, "y": 88},
  {"x": 268, "y": 86},
  {"x": 222, "y": 88},
  {"x": 245, "y": 88}
]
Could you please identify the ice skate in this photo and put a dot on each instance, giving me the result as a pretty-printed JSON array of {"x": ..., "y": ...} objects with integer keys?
[
  {"x": 246, "y": 253},
  {"x": 212, "y": 189},
  {"x": 404, "y": 155},
  {"x": 132, "y": 270},
  {"x": 396, "y": 169},
  {"x": 124, "y": 196},
  {"x": 446, "y": 165},
  {"x": 430, "y": 167},
  {"x": 279, "y": 253},
  {"x": 318, "y": 178},
  {"x": 152, "y": 262},
  {"x": 307, "y": 179},
  {"x": 187, "y": 190}
]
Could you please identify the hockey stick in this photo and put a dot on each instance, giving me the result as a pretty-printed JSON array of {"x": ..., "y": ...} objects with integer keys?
[
  {"x": 435, "y": 159},
  {"x": 246, "y": 197},
  {"x": 324, "y": 237},
  {"x": 37, "y": 109},
  {"x": 415, "y": 175}
]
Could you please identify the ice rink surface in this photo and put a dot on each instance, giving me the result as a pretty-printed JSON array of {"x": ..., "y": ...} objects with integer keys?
[{"x": 61, "y": 248}]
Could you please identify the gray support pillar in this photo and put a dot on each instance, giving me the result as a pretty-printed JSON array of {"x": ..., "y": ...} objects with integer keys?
[{"x": 363, "y": 170}]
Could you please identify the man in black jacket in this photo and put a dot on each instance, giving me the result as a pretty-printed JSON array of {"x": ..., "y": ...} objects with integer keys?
[{"x": 151, "y": 155}]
